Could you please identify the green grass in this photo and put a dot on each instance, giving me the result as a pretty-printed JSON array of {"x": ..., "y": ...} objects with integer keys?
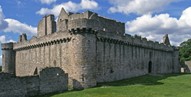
[{"x": 144, "y": 86}]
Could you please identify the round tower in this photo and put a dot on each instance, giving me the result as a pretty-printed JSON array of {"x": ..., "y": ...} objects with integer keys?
[{"x": 8, "y": 58}]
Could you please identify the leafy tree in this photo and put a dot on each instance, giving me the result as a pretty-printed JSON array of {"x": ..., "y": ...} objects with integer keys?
[{"x": 185, "y": 50}]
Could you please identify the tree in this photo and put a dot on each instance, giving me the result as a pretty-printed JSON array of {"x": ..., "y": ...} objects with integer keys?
[
  {"x": 0, "y": 68},
  {"x": 185, "y": 50}
]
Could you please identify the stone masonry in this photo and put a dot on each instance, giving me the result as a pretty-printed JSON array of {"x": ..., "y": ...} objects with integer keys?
[
  {"x": 90, "y": 48},
  {"x": 49, "y": 80}
]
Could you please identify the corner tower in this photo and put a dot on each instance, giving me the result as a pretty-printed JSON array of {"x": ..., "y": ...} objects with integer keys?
[{"x": 8, "y": 58}]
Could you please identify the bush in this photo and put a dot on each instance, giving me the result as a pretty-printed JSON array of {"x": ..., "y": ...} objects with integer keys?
[{"x": 185, "y": 51}]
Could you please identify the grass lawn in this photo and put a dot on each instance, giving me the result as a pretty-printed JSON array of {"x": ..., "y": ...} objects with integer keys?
[{"x": 144, "y": 86}]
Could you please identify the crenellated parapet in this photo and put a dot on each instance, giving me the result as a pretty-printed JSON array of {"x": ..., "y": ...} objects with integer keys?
[
  {"x": 88, "y": 19},
  {"x": 7, "y": 46},
  {"x": 42, "y": 44},
  {"x": 136, "y": 40},
  {"x": 82, "y": 30},
  {"x": 92, "y": 23}
]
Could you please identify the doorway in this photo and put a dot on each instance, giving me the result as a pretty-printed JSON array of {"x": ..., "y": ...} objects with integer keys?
[{"x": 150, "y": 67}]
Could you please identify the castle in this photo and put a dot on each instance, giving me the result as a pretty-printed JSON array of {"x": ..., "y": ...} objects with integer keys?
[{"x": 90, "y": 49}]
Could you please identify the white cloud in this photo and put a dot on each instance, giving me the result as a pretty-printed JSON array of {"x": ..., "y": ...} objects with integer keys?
[
  {"x": 69, "y": 6},
  {"x": 137, "y": 6},
  {"x": 153, "y": 27},
  {"x": 4, "y": 40},
  {"x": 47, "y": 1},
  {"x": 18, "y": 27},
  {"x": 3, "y": 23},
  {"x": 12, "y": 25},
  {"x": 88, "y": 4}
]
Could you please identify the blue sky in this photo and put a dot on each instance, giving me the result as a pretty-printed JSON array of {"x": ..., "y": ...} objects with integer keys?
[{"x": 148, "y": 18}]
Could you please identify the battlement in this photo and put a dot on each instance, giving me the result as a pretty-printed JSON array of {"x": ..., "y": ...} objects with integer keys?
[
  {"x": 67, "y": 21},
  {"x": 7, "y": 46},
  {"x": 92, "y": 20},
  {"x": 136, "y": 40}
]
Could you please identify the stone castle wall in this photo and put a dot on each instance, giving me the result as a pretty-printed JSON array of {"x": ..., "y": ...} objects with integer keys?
[
  {"x": 64, "y": 50},
  {"x": 90, "y": 57},
  {"x": 120, "y": 57},
  {"x": 47, "y": 52},
  {"x": 91, "y": 49},
  {"x": 50, "y": 80}
]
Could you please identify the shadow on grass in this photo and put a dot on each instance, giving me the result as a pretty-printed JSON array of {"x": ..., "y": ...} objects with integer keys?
[{"x": 141, "y": 80}]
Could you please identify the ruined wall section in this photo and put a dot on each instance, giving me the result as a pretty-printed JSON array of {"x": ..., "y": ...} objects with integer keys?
[
  {"x": 11, "y": 86},
  {"x": 120, "y": 57},
  {"x": 53, "y": 80},
  {"x": 50, "y": 80}
]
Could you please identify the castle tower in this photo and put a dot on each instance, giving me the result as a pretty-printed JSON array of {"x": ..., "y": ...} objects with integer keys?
[
  {"x": 46, "y": 26},
  {"x": 166, "y": 40},
  {"x": 83, "y": 48},
  {"x": 62, "y": 23},
  {"x": 8, "y": 58}
]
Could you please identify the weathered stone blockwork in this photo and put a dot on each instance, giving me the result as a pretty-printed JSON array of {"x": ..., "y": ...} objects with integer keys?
[
  {"x": 50, "y": 80},
  {"x": 91, "y": 49},
  {"x": 8, "y": 58},
  {"x": 120, "y": 57}
]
